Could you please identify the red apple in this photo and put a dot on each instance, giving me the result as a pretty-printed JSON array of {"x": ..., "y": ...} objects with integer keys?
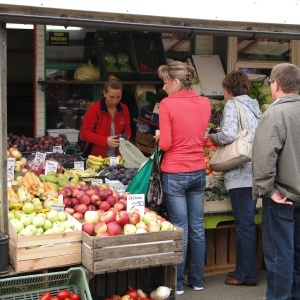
[
  {"x": 153, "y": 226},
  {"x": 88, "y": 228},
  {"x": 80, "y": 208},
  {"x": 62, "y": 192},
  {"x": 113, "y": 228},
  {"x": 70, "y": 210},
  {"x": 75, "y": 201},
  {"x": 100, "y": 226},
  {"x": 134, "y": 217},
  {"x": 103, "y": 193},
  {"x": 95, "y": 199},
  {"x": 101, "y": 211},
  {"x": 68, "y": 190},
  {"x": 85, "y": 199},
  {"x": 68, "y": 202},
  {"x": 104, "y": 205},
  {"x": 80, "y": 194},
  {"x": 78, "y": 185},
  {"x": 90, "y": 193},
  {"x": 16, "y": 153},
  {"x": 75, "y": 192},
  {"x": 84, "y": 188},
  {"x": 78, "y": 215},
  {"x": 161, "y": 219},
  {"x": 103, "y": 234},
  {"x": 124, "y": 195},
  {"x": 95, "y": 188},
  {"x": 116, "y": 194},
  {"x": 114, "y": 210},
  {"x": 91, "y": 207},
  {"x": 120, "y": 205},
  {"x": 122, "y": 217},
  {"x": 108, "y": 217},
  {"x": 111, "y": 200}
]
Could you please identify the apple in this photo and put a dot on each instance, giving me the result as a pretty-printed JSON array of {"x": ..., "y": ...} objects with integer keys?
[
  {"x": 129, "y": 229},
  {"x": 84, "y": 188},
  {"x": 90, "y": 193},
  {"x": 68, "y": 190},
  {"x": 62, "y": 216},
  {"x": 161, "y": 219},
  {"x": 141, "y": 230},
  {"x": 58, "y": 227},
  {"x": 74, "y": 201},
  {"x": 18, "y": 167},
  {"x": 108, "y": 217},
  {"x": 125, "y": 194},
  {"x": 149, "y": 216},
  {"x": 47, "y": 225},
  {"x": 68, "y": 202},
  {"x": 75, "y": 192},
  {"x": 153, "y": 226},
  {"x": 88, "y": 228},
  {"x": 26, "y": 232},
  {"x": 19, "y": 214},
  {"x": 31, "y": 228},
  {"x": 91, "y": 207},
  {"x": 141, "y": 224},
  {"x": 26, "y": 220},
  {"x": 95, "y": 188},
  {"x": 122, "y": 217},
  {"x": 70, "y": 210},
  {"x": 100, "y": 227},
  {"x": 23, "y": 161},
  {"x": 16, "y": 153},
  {"x": 68, "y": 224},
  {"x": 80, "y": 194},
  {"x": 120, "y": 205},
  {"x": 39, "y": 230},
  {"x": 103, "y": 234},
  {"x": 95, "y": 199},
  {"x": 78, "y": 185},
  {"x": 113, "y": 228},
  {"x": 28, "y": 208},
  {"x": 111, "y": 200},
  {"x": 80, "y": 208},
  {"x": 52, "y": 215},
  {"x": 85, "y": 199},
  {"x": 104, "y": 205},
  {"x": 18, "y": 225},
  {"x": 78, "y": 215},
  {"x": 63, "y": 193},
  {"x": 49, "y": 231},
  {"x": 11, "y": 215},
  {"x": 134, "y": 217},
  {"x": 38, "y": 221},
  {"x": 92, "y": 216},
  {"x": 103, "y": 193},
  {"x": 116, "y": 194},
  {"x": 166, "y": 226}
]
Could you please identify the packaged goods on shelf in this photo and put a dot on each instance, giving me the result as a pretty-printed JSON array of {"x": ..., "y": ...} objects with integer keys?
[{"x": 71, "y": 133}]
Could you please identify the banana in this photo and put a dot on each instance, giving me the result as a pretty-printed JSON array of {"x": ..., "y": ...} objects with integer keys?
[
  {"x": 94, "y": 163},
  {"x": 96, "y": 158},
  {"x": 93, "y": 166}
]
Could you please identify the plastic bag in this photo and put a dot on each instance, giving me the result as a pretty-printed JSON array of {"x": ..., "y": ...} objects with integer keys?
[{"x": 133, "y": 156}]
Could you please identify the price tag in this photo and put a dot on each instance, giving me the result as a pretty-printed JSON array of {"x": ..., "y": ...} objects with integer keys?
[
  {"x": 97, "y": 181},
  {"x": 79, "y": 165},
  {"x": 8, "y": 182},
  {"x": 113, "y": 161},
  {"x": 57, "y": 207},
  {"x": 51, "y": 166},
  {"x": 57, "y": 149},
  {"x": 11, "y": 167},
  {"x": 39, "y": 158},
  {"x": 136, "y": 201},
  {"x": 54, "y": 133}
]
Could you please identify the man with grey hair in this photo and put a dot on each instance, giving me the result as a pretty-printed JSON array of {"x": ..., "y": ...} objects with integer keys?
[{"x": 276, "y": 176}]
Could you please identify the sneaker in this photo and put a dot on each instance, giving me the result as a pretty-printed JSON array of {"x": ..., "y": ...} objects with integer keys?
[
  {"x": 180, "y": 292},
  {"x": 186, "y": 281}
]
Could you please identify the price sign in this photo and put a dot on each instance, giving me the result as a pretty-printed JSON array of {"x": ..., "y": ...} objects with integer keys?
[
  {"x": 57, "y": 207},
  {"x": 11, "y": 167},
  {"x": 51, "y": 166},
  {"x": 39, "y": 158},
  {"x": 97, "y": 181},
  {"x": 79, "y": 165},
  {"x": 136, "y": 201},
  {"x": 8, "y": 182},
  {"x": 54, "y": 133},
  {"x": 113, "y": 161},
  {"x": 57, "y": 149}
]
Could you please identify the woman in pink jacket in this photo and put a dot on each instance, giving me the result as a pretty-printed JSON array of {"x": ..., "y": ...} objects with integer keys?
[
  {"x": 183, "y": 121},
  {"x": 105, "y": 120}
]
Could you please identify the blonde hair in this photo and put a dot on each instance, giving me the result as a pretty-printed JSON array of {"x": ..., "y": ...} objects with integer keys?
[
  {"x": 114, "y": 83},
  {"x": 178, "y": 70}
]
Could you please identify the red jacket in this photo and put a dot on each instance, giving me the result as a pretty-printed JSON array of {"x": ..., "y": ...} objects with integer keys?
[{"x": 96, "y": 127}]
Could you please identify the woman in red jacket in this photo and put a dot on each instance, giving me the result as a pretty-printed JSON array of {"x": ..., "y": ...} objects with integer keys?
[{"x": 105, "y": 120}]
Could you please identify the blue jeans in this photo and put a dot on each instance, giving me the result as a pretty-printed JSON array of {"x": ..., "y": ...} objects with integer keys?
[
  {"x": 244, "y": 209},
  {"x": 184, "y": 198},
  {"x": 281, "y": 246}
]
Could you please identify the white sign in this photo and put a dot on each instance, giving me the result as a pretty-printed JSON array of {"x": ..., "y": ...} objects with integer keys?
[
  {"x": 57, "y": 149},
  {"x": 79, "y": 165},
  {"x": 97, "y": 181},
  {"x": 57, "y": 207},
  {"x": 51, "y": 166},
  {"x": 113, "y": 161},
  {"x": 54, "y": 133},
  {"x": 39, "y": 158},
  {"x": 11, "y": 167},
  {"x": 136, "y": 201}
]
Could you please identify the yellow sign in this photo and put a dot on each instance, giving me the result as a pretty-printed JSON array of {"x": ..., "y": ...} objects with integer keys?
[{"x": 59, "y": 38}]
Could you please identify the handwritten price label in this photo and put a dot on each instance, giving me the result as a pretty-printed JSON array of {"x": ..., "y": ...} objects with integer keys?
[
  {"x": 39, "y": 158},
  {"x": 113, "y": 161},
  {"x": 136, "y": 201},
  {"x": 11, "y": 167},
  {"x": 79, "y": 165},
  {"x": 97, "y": 181},
  {"x": 57, "y": 149},
  {"x": 51, "y": 166}
]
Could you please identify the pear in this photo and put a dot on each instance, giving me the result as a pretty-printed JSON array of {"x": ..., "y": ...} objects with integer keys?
[
  {"x": 75, "y": 179},
  {"x": 62, "y": 182},
  {"x": 63, "y": 176},
  {"x": 42, "y": 177},
  {"x": 51, "y": 178},
  {"x": 50, "y": 173}
]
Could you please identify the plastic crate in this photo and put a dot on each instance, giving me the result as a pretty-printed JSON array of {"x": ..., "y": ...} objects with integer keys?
[
  {"x": 31, "y": 287},
  {"x": 149, "y": 54},
  {"x": 114, "y": 42},
  {"x": 71, "y": 133}
]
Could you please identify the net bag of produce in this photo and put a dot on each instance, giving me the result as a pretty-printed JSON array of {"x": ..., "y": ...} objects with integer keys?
[{"x": 87, "y": 72}]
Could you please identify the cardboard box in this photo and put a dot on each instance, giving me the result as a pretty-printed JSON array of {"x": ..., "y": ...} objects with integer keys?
[
  {"x": 149, "y": 117},
  {"x": 124, "y": 252},
  {"x": 145, "y": 142},
  {"x": 30, "y": 253}
]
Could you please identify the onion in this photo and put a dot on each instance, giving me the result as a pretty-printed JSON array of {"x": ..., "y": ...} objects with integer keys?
[{"x": 161, "y": 293}]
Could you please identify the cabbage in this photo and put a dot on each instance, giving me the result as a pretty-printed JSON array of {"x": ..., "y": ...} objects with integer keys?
[
  {"x": 109, "y": 58},
  {"x": 111, "y": 68},
  {"x": 125, "y": 68},
  {"x": 261, "y": 92},
  {"x": 122, "y": 58}
]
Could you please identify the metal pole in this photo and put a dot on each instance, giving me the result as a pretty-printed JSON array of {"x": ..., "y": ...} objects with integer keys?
[{"x": 3, "y": 131}]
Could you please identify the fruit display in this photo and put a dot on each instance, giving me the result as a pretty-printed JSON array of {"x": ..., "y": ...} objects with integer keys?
[
  {"x": 29, "y": 144},
  {"x": 98, "y": 162},
  {"x": 118, "y": 172},
  {"x": 20, "y": 160},
  {"x": 64, "y": 294}
]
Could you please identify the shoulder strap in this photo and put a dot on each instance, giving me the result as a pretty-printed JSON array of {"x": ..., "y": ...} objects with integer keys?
[{"x": 241, "y": 113}]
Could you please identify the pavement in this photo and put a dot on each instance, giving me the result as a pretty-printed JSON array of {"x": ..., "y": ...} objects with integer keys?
[{"x": 216, "y": 289}]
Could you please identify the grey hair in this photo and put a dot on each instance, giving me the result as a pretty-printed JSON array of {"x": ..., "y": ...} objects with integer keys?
[
  {"x": 287, "y": 77},
  {"x": 178, "y": 70}
]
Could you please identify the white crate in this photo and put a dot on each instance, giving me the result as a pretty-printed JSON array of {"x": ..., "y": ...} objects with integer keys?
[{"x": 71, "y": 134}]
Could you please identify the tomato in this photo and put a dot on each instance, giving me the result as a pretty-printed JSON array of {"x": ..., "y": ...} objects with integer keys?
[
  {"x": 45, "y": 296},
  {"x": 75, "y": 296},
  {"x": 63, "y": 294},
  {"x": 54, "y": 298}
]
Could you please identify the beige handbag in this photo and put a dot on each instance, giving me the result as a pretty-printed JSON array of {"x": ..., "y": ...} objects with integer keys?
[{"x": 238, "y": 152}]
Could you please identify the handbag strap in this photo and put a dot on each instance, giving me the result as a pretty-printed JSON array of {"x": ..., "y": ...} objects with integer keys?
[
  {"x": 240, "y": 110},
  {"x": 157, "y": 158}
]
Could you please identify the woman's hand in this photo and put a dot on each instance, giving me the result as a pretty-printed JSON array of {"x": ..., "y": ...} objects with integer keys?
[{"x": 113, "y": 141}]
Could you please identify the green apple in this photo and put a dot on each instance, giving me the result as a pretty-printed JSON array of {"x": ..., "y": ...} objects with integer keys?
[
  {"x": 28, "y": 208},
  {"x": 26, "y": 220},
  {"x": 68, "y": 224},
  {"x": 48, "y": 231},
  {"x": 52, "y": 215},
  {"x": 26, "y": 232},
  {"x": 18, "y": 225},
  {"x": 58, "y": 227},
  {"x": 19, "y": 214},
  {"x": 42, "y": 215},
  {"x": 62, "y": 216},
  {"x": 47, "y": 225},
  {"x": 11, "y": 215},
  {"x": 38, "y": 221},
  {"x": 31, "y": 228},
  {"x": 68, "y": 230},
  {"x": 39, "y": 230}
]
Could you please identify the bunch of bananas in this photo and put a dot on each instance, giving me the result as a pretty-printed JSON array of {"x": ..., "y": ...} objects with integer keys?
[{"x": 95, "y": 162}]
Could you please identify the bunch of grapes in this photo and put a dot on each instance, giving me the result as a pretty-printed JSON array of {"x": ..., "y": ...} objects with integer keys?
[{"x": 216, "y": 117}]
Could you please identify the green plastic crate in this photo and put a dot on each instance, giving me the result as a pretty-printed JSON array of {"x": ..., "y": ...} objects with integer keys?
[{"x": 31, "y": 287}]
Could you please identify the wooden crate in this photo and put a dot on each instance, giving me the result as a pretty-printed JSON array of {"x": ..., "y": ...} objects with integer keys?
[
  {"x": 145, "y": 142},
  {"x": 221, "y": 249},
  {"x": 100, "y": 255},
  {"x": 29, "y": 253},
  {"x": 147, "y": 279}
]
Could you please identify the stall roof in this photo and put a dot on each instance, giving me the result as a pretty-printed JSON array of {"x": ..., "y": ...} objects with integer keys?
[{"x": 247, "y": 19}]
